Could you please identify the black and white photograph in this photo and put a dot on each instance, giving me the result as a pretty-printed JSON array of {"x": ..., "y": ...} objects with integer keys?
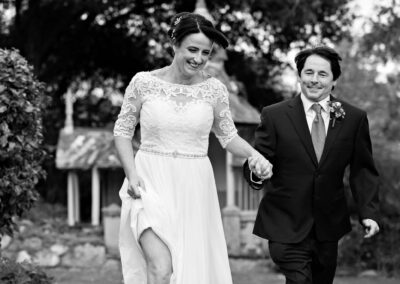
[{"x": 199, "y": 141}]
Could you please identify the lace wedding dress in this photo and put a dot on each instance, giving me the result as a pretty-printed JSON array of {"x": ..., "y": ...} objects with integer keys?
[{"x": 180, "y": 203}]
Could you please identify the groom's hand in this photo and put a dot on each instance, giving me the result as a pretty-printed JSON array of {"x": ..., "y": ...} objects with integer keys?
[
  {"x": 260, "y": 166},
  {"x": 371, "y": 228}
]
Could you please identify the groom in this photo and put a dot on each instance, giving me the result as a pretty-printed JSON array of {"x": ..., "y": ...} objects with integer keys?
[{"x": 310, "y": 140}]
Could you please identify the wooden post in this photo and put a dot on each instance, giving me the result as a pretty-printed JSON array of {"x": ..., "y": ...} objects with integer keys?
[
  {"x": 231, "y": 213},
  {"x": 73, "y": 198},
  {"x": 95, "y": 196},
  {"x": 77, "y": 204},
  {"x": 111, "y": 223},
  {"x": 70, "y": 194},
  {"x": 230, "y": 181}
]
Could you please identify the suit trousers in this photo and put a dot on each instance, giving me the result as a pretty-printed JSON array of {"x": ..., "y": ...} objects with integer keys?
[{"x": 307, "y": 262}]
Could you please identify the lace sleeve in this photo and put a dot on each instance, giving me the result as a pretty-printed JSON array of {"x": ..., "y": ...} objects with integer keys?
[
  {"x": 128, "y": 117},
  {"x": 223, "y": 126}
]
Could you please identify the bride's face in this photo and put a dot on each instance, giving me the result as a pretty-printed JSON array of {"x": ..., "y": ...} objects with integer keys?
[{"x": 192, "y": 53}]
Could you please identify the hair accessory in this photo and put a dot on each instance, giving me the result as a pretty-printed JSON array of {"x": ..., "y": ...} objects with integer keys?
[
  {"x": 177, "y": 20},
  {"x": 318, "y": 44},
  {"x": 173, "y": 35}
]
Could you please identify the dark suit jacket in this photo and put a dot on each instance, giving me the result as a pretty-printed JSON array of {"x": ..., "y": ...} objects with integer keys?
[{"x": 303, "y": 193}]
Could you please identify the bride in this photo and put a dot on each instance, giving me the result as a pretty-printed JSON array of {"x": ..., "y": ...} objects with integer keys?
[{"x": 171, "y": 229}]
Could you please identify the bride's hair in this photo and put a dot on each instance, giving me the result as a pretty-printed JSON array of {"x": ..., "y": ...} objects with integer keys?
[{"x": 185, "y": 23}]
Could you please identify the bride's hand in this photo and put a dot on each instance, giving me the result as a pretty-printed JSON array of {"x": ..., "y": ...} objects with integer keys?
[
  {"x": 260, "y": 166},
  {"x": 135, "y": 184}
]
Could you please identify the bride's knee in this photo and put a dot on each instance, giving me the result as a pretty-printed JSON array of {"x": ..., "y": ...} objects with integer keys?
[{"x": 160, "y": 270}]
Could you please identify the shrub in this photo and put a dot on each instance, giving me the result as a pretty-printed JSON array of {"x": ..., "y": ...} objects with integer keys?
[
  {"x": 22, "y": 101},
  {"x": 15, "y": 273},
  {"x": 382, "y": 252}
]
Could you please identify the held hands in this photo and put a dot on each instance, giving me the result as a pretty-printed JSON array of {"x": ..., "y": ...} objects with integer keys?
[
  {"x": 135, "y": 185},
  {"x": 371, "y": 228},
  {"x": 260, "y": 166}
]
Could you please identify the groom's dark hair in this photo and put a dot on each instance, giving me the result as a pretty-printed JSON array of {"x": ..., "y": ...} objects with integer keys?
[{"x": 325, "y": 52}]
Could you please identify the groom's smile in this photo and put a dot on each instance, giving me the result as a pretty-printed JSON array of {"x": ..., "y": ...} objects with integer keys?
[{"x": 316, "y": 78}]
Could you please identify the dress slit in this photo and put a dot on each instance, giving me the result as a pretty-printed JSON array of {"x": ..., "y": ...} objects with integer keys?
[{"x": 141, "y": 224}]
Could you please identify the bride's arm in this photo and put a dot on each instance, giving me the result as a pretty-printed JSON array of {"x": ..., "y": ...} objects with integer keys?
[
  {"x": 124, "y": 130},
  {"x": 256, "y": 162},
  {"x": 226, "y": 132},
  {"x": 126, "y": 157},
  {"x": 240, "y": 147}
]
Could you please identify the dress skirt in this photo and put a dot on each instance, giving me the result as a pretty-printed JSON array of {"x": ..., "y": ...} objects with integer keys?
[{"x": 180, "y": 204}]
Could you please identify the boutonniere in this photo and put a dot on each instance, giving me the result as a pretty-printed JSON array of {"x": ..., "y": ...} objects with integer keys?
[{"x": 336, "y": 112}]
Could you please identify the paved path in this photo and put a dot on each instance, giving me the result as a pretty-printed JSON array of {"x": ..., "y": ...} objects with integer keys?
[
  {"x": 257, "y": 272},
  {"x": 243, "y": 271}
]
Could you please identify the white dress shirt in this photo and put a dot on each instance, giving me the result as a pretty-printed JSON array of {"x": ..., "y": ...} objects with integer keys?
[{"x": 310, "y": 113}]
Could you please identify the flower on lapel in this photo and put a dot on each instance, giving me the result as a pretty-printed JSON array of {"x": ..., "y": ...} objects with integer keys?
[{"x": 336, "y": 112}]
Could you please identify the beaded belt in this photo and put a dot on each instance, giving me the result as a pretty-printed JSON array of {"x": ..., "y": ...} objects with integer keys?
[{"x": 174, "y": 154}]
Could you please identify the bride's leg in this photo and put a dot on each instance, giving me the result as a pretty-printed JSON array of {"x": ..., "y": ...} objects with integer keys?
[{"x": 158, "y": 258}]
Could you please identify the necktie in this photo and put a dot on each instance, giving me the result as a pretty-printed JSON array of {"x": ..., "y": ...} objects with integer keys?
[{"x": 318, "y": 134}]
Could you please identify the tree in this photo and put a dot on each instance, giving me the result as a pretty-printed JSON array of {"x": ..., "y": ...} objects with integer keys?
[
  {"x": 383, "y": 39},
  {"x": 382, "y": 45},
  {"x": 358, "y": 85},
  {"x": 122, "y": 37},
  {"x": 263, "y": 31},
  {"x": 69, "y": 42}
]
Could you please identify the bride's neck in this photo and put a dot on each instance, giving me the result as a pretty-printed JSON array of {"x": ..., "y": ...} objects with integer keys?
[{"x": 174, "y": 75}]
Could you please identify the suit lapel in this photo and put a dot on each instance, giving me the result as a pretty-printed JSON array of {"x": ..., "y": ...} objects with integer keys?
[
  {"x": 331, "y": 136},
  {"x": 298, "y": 119}
]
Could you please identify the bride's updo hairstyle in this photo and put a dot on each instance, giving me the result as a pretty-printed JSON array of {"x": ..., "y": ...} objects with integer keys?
[{"x": 185, "y": 23}]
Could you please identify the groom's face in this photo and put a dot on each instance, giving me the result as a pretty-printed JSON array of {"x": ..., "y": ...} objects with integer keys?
[{"x": 316, "y": 78}]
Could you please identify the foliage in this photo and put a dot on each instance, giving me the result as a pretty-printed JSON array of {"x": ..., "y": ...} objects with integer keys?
[
  {"x": 381, "y": 253},
  {"x": 120, "y": 38},
  {"x": 116, "y": 39},
  {"x": 383, "y": 39},
  {"x": 381, "y": 45},
  {"x": 97, "y": 100},
  {"x": 18, "y": 273},
  {"x": 358, "y": 85},
  {"x": 21, "y": 102},
  {"x": 261, "y": 32},
  {"x": 267, "y": 25}
]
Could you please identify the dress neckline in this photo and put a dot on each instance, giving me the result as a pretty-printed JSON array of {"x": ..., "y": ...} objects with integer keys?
[{"x": 150, "y": 73}]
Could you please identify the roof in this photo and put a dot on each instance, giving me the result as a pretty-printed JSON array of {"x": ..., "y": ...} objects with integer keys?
[
  {"x": 242, "y": 111},
  {"x": 85, "y": 148}
]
